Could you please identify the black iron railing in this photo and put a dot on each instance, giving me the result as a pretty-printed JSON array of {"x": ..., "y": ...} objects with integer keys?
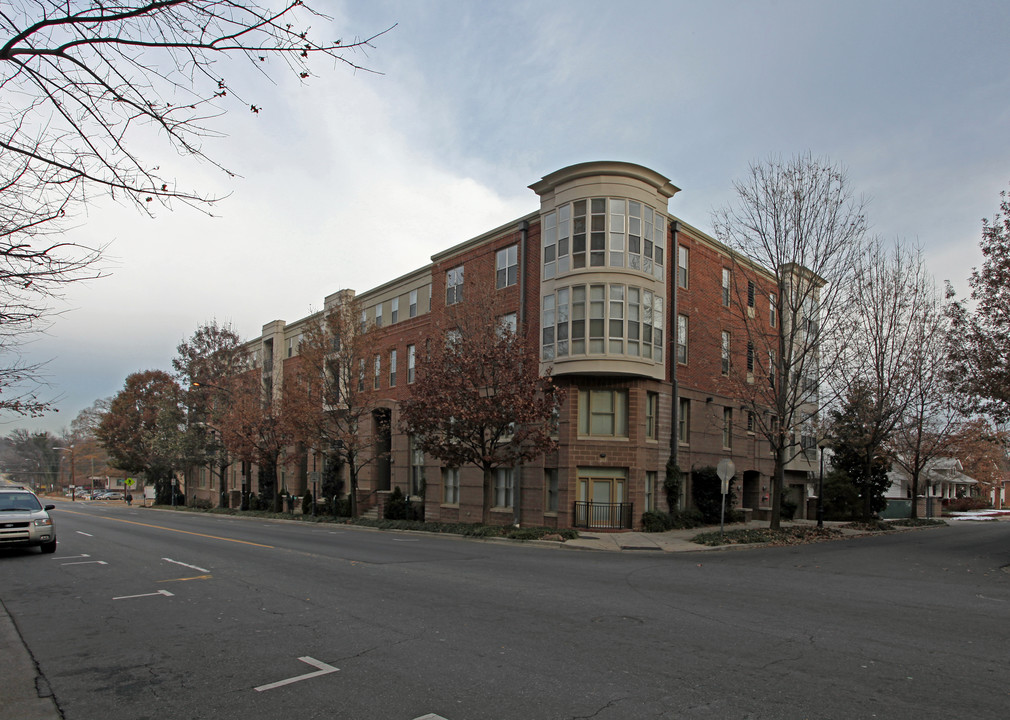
[{"x": 607, "y": 516}]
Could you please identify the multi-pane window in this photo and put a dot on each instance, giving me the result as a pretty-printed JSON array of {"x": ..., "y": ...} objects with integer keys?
[
  {"x": 603, "y": 413},
  {"x": 507, "y": 266},
  {"x": 682, "y": 339},
  {"x": 650, "y": 490},
  {"x": 416, "y": 467},
  {"x": 394, "y": 310},
  {"x": 450, "y": 486},
  {"x": 727, "y": 277},
  {"x": 392, "y": 368},
  {"x": 727, "y": 428},
  {"x": 361, "y": 374},
  {"x": 502, "y": 489},
  {"x": 454, "y": 286},
  {"x": 410, "y": 364},
  {"x": 682, "y": 266},
  {"x": 412, "y": 307},
  {"x": 652, "y": 416},
  {"x": 771, "y": 368},
  {"x": 378, "y": 315},
  {"x": 508, "y": 321},
  {"x": 364, "y": 321},
  {"x": 378, "y": 370},
  {"x": 683, "y": 421},
  {"x": 599, "y": 232},
  {"x": 551, "y": 490},
  {"x": 772, "y": 311},
  {"x": 725, "y": 352},
  {"x": 622, "y": 320}
]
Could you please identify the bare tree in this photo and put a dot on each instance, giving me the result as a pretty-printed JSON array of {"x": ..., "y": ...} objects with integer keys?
[
  {"x": 893, "y": 305},
  {"x": 797, "y": 223},
  {"x": 923, "y": 432},
  {"x": 85, "y": 85}
]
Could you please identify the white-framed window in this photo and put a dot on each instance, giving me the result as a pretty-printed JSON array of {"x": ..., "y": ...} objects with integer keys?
[
  {"x": 503, "y": 479},
  {"x": 771, "y": 368},
  {"x": 378, "y": 315},
  {"x": 724, "y": 351},
  {"x": 682, "y": 339},
  {"x": 411, "y": 358},
  {"x": 394, "y": 310},
  {"x": 412, "y": 307},
  {"x": 650, "y": 490},
  {"x": 454, "y": 286},
  {"x": 416, "y": 467},
  {"x": 683, "y": 257},
  {"x": 614, "y": 232},
  {"x": 392, "y": 368},
  {"x": 450, "y": 486},
  {"x": 550, "y": 490},
  {"x": 508, "y": 321},
  {"x": 772, "y": 311},
  {"x": 606, "y": 319},
  {"x": 603, "y": 413},
  {"x": 727, "y": 279},
  {"x": 361, "y": 374},
  {"x": 507, "y": 266},
  {"x": 364, "y": 321},
  {"x": 378, "y": 370}
]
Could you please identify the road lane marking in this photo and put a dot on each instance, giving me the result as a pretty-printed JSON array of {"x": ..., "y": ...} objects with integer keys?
[
  {"x": 84, "y": 534},
  {"x": 324, "y": 669},
  {"x": 166, "y": 593},
  {"x": 192, "y": 567},
  {"x": 162, "y": 527},
  {"x": 195, "y": 577},
  {"x": 87, "y": 562},
  {"x": 430, "y": 716},
  {"x": 70, "y": 557}
]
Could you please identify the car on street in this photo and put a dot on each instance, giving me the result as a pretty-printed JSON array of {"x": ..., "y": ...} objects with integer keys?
[{"x": 24, "y": 521}]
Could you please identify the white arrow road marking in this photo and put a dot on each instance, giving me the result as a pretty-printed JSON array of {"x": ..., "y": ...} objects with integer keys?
[
  {"x": 430, "y": 716},
  {"x": 324, "y": 669},
  {"x": 87, "y": 562},
  {"x": 84, "y": 534},
  {"x": 166, "y": 593},
  {"x": 194, "y": 567}
]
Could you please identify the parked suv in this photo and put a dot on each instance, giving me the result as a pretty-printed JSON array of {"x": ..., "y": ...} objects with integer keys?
[{"x": 23, "y": 520}]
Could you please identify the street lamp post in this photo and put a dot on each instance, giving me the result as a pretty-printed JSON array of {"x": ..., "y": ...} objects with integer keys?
[{"x": 73, "y": 490}]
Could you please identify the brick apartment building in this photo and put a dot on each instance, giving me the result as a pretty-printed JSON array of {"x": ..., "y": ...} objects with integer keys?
[{"x": 639, "y": 317}]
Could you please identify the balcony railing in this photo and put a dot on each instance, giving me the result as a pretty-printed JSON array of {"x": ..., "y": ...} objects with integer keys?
[{"x": 606, "y": 516}]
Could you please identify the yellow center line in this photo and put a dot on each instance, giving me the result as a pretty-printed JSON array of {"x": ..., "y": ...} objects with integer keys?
[
  {"x": 195, "y": 577},
  {"x": 162, "y": 527}
]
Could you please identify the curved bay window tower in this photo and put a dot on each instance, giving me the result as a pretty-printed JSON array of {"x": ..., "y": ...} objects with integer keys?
[{"x": 603, "y": 295}]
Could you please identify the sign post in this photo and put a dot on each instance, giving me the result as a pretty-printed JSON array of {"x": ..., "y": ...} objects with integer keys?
[{"x": 725, "y": 470}]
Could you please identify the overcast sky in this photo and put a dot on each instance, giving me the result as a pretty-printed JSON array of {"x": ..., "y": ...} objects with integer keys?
[{"x": 353, "y": 179}]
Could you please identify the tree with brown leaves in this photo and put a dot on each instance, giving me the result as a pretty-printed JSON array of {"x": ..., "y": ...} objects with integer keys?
[
  {"x": 327, "y": 399},
  {"x": 479, "y": 398}
]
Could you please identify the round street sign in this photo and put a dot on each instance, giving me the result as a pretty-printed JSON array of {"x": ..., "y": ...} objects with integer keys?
[{"x": 725, "y": 470}]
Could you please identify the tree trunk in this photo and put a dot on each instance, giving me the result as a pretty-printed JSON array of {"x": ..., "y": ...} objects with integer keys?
[
  {"x": 778, "y": 481},
  {"x": 353, "y": 499}
]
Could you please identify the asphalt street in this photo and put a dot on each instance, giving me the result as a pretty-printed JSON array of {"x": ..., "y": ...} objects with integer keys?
[{"x": 148, "y": 614}]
